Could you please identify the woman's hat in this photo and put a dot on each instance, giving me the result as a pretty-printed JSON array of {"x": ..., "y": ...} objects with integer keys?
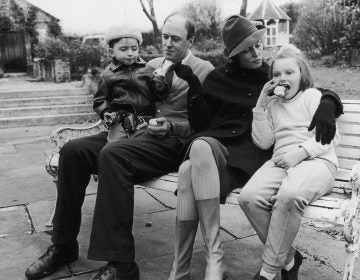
[
  {"x": 238, "y": 34},
  {"x": 118, "y": 32}
]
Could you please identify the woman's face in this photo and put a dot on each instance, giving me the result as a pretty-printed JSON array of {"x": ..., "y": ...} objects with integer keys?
[
  {"x": 252, "y": 57},
  {"x": 286, "y": 72}
]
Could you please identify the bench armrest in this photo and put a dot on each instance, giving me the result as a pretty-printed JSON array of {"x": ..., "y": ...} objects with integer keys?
[{"x": 63, "y": 134}]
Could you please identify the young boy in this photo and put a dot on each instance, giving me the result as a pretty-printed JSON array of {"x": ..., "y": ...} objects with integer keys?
[{"x": 126, "y": 94}]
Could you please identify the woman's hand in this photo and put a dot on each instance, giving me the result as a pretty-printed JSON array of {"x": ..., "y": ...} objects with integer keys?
[{"x": 264, "y": 97}]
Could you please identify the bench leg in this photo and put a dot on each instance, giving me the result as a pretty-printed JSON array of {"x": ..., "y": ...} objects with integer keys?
[
  {"x": 351, "y": 224},
  {"x": 49, "y": 223}
]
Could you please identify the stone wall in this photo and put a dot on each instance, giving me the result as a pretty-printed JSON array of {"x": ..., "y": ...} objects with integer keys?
[{"x": 55, "y": 70}]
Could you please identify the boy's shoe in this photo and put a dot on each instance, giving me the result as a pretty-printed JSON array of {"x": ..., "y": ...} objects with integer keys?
[
  {"x": 110, "y": 272},
  {"x": 55, "y": 257},
  {"x": 292, "y": 274}
]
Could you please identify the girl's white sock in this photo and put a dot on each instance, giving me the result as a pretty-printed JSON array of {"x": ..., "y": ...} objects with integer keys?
[
  {"x": 290, "y": 265},
  {"x": 267, "y": 275}
]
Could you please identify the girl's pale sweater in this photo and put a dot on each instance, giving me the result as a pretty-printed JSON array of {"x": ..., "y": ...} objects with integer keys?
[{"x": 285, "y": 124}]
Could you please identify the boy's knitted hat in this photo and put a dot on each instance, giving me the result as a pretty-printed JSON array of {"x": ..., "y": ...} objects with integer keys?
[{"x": 118, "y": 32}]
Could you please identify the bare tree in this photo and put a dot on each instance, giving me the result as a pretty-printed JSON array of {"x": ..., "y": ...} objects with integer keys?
[
  {"x": 243, "y": 8},
  {"x": 150, "y": 13},
  {"x": 206, "y": 15}
]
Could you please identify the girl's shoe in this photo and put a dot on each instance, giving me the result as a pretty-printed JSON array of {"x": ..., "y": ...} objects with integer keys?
[{"x": 292, "y": 274}]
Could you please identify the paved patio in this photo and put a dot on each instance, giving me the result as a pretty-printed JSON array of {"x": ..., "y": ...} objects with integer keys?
[{"x": 28, "y": 194}]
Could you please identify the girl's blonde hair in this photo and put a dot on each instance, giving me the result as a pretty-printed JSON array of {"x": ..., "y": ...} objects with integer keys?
[{"x": 291, "y": 51}]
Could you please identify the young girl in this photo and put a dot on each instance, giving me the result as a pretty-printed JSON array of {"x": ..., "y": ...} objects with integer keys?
[{"x": 300, "y": 171}]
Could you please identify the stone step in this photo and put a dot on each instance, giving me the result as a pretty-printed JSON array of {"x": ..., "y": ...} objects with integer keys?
[
  {"x": 43, "y": 101},
  {"x": 33, "y": 93},
  {"x": 45, "y": 110},
  {"x": 48, "y": 120}
]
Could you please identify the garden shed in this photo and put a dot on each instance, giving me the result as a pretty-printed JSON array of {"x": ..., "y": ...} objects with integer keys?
[
  {"x": 21, "y": 25},
  {"x": 276, "y": 21}
]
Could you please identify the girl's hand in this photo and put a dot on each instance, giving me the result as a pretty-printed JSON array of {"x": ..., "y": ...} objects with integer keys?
[
  {"x": 265, "y": 97},
  {"x": 290, "y": 159}
]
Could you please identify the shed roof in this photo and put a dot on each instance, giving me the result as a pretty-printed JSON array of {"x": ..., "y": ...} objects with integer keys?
[
  {"x": 25, "y": 3},
  {"x": 268, "y": 10}
]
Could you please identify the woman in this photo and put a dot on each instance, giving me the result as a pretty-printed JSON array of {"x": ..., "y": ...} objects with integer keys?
[{"x": 221, "y": 154}]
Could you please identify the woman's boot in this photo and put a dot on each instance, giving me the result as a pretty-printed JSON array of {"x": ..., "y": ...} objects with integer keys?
[
  {"x": 184, "y": 241},
  {"x": 209, "y": 216}
]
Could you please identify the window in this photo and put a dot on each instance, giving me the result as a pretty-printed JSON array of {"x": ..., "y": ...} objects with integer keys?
[
  {"x": 271, "y": 33},
  {"x": 282, "y": 26}
]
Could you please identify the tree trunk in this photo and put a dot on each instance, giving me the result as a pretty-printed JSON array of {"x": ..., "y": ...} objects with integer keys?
[
  {"x": 243, "y": 8},
  {"x": 151, "y": 16}
]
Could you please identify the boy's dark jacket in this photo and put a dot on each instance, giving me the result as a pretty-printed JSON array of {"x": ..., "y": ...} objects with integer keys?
[
  {"x": 224, "y": 111},
  {"x": 126, "y": 88}
]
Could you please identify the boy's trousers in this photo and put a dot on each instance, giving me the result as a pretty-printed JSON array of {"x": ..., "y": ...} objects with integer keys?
[
  {"x": 119, "y": 166},
  {"x": 274, "y": 200}
]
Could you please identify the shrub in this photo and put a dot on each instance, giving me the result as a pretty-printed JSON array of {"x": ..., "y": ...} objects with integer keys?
[
  {"x": 329, "y": 27},
  {"x": 81, "y": 57}
]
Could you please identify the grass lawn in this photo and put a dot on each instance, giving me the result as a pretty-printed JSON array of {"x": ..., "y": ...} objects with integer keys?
[{"x": 344, "y": 81}]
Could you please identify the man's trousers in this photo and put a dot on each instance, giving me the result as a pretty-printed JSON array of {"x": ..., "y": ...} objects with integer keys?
[{"x": 119, "y": 166}]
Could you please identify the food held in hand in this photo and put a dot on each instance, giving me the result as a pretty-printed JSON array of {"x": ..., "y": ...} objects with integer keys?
[
  {"x": 280, "y": 90},
  {"x": 159, "y": 72},
  {"x": 153, "y": 122}
]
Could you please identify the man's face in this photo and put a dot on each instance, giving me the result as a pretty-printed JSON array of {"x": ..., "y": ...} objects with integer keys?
[{"x": 174, "y": 42}]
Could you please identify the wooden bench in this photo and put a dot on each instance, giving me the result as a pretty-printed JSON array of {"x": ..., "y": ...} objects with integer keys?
[{"x": 339, "y": 207}]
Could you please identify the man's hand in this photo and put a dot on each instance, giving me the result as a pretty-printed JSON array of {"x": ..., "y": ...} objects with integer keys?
[
  {"x": 324, "y": 121},
  {"x": 290, "y": 159},
  {"x": 159, "y": 127}
]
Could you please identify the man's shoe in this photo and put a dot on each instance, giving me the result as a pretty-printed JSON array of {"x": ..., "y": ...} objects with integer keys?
[
  {"x": 292, "y": 274},
  {"x": 110, "y": 272},
  {"x": 55, "y": 256}
]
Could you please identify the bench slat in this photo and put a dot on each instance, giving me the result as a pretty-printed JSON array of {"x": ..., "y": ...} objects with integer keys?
[
  {"x": 348, "y": 152},
  {"x": 350, "y": 140},
  {"x": 350, "y": 117},
  {"x": 350, "y": 101},
  {"x": 169, "y": 183},
  {"x": 349, "y": 128},
  {"x": 343, "y": 174},
  {"x": 347, "y": 163},
  {"x": 351, "y": 107}
]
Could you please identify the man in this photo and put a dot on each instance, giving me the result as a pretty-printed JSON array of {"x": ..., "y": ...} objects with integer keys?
[{"x": 146, "y": 154}]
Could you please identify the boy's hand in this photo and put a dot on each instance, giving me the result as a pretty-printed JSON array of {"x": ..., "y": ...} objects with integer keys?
[
  {"x": 159, "y": 127},
  {"x": 109, "y": 118},
  {"x": 290, "y": 159}
]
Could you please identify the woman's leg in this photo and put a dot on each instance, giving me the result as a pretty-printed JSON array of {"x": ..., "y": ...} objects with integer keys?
[
  {"x": 206, "y": 186},
  {"x": 304, "y": 183},
  {"x": 186, "y": 224}
]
